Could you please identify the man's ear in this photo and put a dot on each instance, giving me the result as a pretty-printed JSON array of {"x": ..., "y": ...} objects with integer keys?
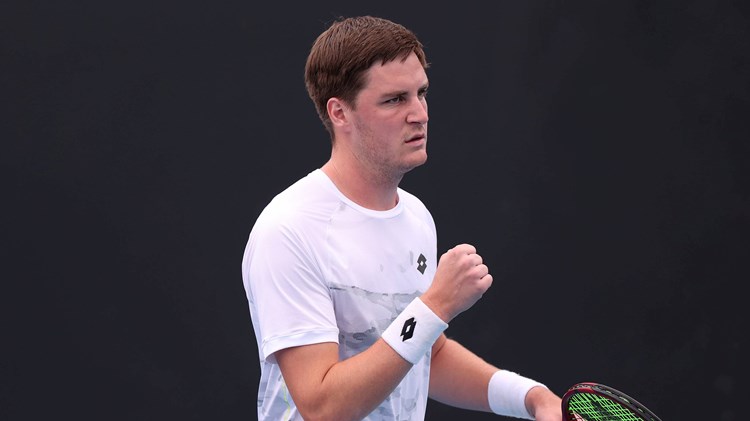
[{"x": 337, "y": 111}]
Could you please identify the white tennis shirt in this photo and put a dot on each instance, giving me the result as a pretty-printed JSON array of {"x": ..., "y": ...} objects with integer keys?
[{"x": 320, "y": 268}]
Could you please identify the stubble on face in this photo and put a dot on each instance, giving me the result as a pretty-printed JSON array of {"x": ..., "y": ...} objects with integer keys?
[
  {"x": 383, "y": 163},
  {"x": 382, "y": 146}
]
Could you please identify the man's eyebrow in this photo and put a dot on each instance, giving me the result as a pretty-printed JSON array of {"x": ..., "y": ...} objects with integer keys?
[{"x": 392, "y": 94}]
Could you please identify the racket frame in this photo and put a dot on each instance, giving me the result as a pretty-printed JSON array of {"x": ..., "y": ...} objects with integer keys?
[{"x": 607, "y": 392}]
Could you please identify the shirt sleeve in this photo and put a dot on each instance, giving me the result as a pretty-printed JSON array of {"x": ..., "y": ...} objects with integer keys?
[{"x": 286, "y": 286}]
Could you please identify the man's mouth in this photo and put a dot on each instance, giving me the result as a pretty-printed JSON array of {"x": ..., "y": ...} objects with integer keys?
[{"x": 419, "y": 136}]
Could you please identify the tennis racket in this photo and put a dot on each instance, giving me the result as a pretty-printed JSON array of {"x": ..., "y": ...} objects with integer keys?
[{"x": 597, "y": 402}]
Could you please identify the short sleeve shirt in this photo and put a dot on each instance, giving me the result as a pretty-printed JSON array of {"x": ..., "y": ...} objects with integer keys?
[{"x": 320, "y": 268}]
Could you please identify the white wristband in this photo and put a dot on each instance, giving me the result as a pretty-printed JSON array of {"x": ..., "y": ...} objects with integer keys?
[
  {"x": 414, "y": 331},
  {"x": 507, "y": 394}
]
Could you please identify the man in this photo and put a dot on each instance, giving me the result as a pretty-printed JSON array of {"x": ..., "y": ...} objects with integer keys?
[{"x": 347, "y": 298}]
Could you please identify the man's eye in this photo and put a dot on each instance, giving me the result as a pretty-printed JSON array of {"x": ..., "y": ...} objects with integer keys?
[{"x": 394, "y": 100}]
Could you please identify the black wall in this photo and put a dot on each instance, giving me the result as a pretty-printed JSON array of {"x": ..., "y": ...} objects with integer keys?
[{"x": 594, "y": 152}]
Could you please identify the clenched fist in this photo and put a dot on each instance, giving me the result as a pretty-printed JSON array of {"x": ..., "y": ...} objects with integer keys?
[{"x": 460, "y": 280}]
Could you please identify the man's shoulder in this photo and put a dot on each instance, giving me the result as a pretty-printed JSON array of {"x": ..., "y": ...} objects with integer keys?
[
  {"x": 412, "y": 202},
  {"x": 303, "y": 202}
]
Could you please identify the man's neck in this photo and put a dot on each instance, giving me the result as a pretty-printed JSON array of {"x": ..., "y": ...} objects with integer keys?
[{"x": 368, "y": 190}]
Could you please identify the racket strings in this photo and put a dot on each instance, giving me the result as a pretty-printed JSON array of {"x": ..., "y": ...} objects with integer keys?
[{"x": 589, "y": 407}]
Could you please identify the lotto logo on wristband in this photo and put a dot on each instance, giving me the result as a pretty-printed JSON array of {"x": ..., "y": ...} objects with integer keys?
[
  {"x": 408, "y": 330},
  {"x": 414, "y": 345}
]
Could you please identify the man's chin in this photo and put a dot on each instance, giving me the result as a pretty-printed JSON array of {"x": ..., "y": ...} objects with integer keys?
[{"x": 414, "y": 163}]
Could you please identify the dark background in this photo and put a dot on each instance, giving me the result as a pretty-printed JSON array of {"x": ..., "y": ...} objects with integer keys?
[{"x": 594, "y": 152}]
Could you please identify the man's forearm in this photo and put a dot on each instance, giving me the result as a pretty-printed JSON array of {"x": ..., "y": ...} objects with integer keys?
[{"x": 459, "y": 378}]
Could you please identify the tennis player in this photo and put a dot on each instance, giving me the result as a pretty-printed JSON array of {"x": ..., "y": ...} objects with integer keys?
[{"x": 348, "y": 299}]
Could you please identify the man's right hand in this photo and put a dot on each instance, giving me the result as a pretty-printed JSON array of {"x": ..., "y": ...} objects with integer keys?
[{"x": 460, "y": 281}]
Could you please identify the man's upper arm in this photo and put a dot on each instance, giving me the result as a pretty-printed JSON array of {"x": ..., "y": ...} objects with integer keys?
[{"x": 304, "y": 367}]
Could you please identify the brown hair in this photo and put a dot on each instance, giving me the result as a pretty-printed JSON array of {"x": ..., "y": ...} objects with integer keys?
[{"x": 341, "y": 55}]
